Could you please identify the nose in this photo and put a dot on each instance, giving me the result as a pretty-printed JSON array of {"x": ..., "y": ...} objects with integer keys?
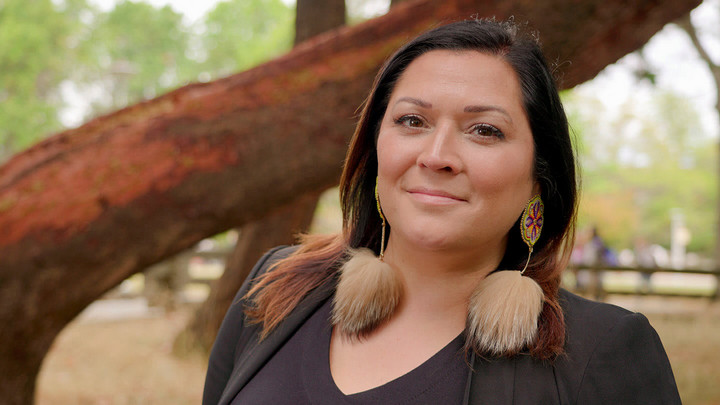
[{"x": 439, "y": 153}]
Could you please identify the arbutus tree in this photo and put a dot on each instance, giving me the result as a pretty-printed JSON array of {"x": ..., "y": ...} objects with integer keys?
[{"x": 279, "y": 227}]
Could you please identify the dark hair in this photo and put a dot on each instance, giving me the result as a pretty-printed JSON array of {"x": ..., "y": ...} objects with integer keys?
[{"x": 554, "y": 169}]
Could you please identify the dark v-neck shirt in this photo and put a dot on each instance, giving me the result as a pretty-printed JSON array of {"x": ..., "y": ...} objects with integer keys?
[{"x": 299, "y": 374}]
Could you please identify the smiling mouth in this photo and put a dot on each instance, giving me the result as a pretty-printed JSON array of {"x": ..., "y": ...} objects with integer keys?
[{"x": 434, "y": 196}]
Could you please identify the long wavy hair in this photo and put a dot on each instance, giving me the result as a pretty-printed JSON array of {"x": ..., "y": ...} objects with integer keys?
[{"x": 318, "y": 258}]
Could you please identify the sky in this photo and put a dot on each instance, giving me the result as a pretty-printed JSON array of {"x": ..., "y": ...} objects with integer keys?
[{"x": 678, "y": 66}]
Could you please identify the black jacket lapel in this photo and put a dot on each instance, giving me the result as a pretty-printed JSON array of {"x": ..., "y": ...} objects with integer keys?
[
  {"x": 255, "y": 354},
  {"x": 519, "y": 380},
  {"x": 491, "y": 381}
]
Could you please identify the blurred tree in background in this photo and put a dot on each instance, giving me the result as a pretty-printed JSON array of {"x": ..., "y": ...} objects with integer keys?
[
  {"x": 39, "y": 49},
  {"x": 137, "y": 52},
  {"x": 654, "y": 156},
  {"x": 639, "y": 165},
  {"x": 239, "y": 34}
]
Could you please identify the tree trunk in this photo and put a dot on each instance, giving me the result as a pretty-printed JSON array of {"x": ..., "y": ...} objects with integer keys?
[
  {"x": 394, "y": 3},
  {"x": 86, "y": 208},
  {"x": 255, "y": 239},
  {"x": 313, "y": 17}
]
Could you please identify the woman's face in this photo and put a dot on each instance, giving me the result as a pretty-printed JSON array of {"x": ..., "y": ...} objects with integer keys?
[{"x": 455, "y": 153}]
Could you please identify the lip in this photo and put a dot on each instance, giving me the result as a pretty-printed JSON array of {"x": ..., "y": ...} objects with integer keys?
[{"x": 434, "y": 195}]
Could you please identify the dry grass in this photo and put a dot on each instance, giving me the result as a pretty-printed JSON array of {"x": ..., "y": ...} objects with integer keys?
[
  {"x": 693, "y": 346},
  {"x": 129, "y": 362},
  {"x": 121, "y": 363}
]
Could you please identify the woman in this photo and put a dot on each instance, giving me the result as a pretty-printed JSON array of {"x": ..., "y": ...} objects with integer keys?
[{"x": 459, "y": 198}]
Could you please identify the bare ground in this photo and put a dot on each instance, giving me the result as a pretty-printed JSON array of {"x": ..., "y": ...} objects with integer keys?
[{"x": 121, "y": 362}]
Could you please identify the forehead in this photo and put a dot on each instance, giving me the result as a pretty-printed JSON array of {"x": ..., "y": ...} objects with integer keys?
[{"x": 466, "y": 75}]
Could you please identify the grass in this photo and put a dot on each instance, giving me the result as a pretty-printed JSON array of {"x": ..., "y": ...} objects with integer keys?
[
  {"x": 126, "y": 362},
  {"x": 693, "y": 343},
  {"x": 129, "y": 362}
]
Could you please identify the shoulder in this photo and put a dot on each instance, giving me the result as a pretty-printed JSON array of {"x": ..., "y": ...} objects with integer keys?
[
  {"x": 586, "y": 317},
  {"x": 591, "y": 325},
  {"x": 263, "y": 265},
  {"x": 272, "y": 256},
  {"x": 235, "y": 316},
  {"x": 587, "y": 324},
  {"x": 612, "y": 355},
  {"x": 235, "y": 331}
]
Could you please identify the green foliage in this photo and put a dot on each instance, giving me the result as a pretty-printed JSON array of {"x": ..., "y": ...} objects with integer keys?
[
  {"x": 138, "y": 51},
  {"x": 240, "y": 34},
  {"x": 115, "y": 58},
  {"x": 38, "y": 41},
  {"x": 640, "y": 164},
  {"x": 362, "y": 10}
]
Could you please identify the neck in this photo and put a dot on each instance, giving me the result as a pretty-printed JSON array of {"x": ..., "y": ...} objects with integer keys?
[{"x": 439, "y": 283}]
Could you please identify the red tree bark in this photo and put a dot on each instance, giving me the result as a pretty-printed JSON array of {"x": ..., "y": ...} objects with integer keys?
[
  {"x": 278, "y": 228},
  {"x": 88, "y": 207}
]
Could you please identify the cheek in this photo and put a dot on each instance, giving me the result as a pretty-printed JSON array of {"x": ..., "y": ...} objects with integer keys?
[
  {"x": 504, "y": 184},
  {"x": 394, "y": 158},
  {"x": 504, "y": 172},
  {"x": 507, "y": 182}
]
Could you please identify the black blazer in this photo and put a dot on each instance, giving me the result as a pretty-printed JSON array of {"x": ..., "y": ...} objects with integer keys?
[{"x": 612, "y": 356}]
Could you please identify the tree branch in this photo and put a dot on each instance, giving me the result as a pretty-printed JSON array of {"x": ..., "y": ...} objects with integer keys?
[{"x": 686, "y": 24}]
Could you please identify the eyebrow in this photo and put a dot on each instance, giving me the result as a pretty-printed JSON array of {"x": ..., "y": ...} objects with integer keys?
[
  {"x": 483, "y": 108},
  {"x": 467, "y": 109},
  {"x": 416, "y": 101}
]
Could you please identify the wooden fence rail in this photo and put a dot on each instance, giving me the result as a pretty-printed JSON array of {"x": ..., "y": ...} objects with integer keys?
[
  {"x": 591, "y": 281},
  {"x": 596, "y": 286}
]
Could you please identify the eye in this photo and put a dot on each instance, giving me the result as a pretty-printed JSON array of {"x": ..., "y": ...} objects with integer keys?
[
  {"x": 487, "y": 131},
  {"x": 412, "y": 121}
]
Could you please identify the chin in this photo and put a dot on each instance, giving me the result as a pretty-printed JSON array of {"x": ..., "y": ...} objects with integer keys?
[
  {"x": 432, "y": 242},
  {"x": 426, "y": 233}
]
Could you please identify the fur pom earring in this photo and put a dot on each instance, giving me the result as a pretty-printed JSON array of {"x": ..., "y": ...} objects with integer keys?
[
  {"x": 504, "y": 309},
  {"x": 368, "y": 291}
]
